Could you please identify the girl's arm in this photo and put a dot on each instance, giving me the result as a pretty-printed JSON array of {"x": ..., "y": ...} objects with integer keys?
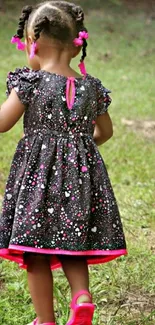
[
  {"x": 11, "y": 111},
  {"x": 103, "y": 129}
]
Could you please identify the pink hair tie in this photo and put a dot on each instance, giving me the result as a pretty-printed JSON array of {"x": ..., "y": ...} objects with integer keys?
[
  {"x": 33, "y": 50},
  {"x": 20, "y": 45},
  {"x": 84, "y": 35},
  {"x": 79, "y": 41}
]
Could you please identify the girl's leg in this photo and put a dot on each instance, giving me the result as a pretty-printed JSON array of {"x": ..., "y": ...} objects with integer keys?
[
  {"x": 76, "y": 271},
  {"x": 40, "y": 282}
]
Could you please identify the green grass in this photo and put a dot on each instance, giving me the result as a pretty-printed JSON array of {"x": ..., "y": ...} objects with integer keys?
[{"x": 121, "y": 53}]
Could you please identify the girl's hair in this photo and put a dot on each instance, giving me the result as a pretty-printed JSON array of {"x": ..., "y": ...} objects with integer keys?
[{"x": 59, "y": 20}]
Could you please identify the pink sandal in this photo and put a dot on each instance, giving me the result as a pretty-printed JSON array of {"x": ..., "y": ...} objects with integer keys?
[
  {"x": 83, "y": 312},
  {"x": 36, "y": 323}
]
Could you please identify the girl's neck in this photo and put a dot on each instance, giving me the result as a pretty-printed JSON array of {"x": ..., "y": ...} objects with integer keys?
[
  {"x": 57, "y": 62},
  {"x": 59, "y": 68}
]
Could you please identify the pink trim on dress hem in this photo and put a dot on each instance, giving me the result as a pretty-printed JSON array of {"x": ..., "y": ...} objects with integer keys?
[
  {"x": 15, "y": 253},
  {"x": 57, "y": 251}
]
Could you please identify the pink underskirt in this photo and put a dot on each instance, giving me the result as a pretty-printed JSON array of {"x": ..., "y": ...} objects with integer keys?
[{"x": 15, "y": 253}]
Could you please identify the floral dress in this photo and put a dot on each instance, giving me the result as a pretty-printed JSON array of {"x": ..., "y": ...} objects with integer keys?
[{"x": 58, "y": 198}]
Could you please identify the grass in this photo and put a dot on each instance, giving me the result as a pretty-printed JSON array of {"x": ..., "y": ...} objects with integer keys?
[{"x": 121, "y": 53}]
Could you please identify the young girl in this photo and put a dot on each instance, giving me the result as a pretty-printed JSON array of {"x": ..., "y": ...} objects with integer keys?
[{"x": 59, "y": 208}]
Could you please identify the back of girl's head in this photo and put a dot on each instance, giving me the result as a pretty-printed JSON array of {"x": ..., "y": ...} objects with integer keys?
[{"x": 59, "y": 20}]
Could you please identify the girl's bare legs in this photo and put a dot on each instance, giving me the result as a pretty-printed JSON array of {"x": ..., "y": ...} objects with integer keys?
[
  {"x": 76, "y": 271},
  {"x": 40, "y": 282}
]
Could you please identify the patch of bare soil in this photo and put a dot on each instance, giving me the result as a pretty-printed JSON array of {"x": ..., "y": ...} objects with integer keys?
[
  {"x": 138, "y": 302},
  {"x": 139, "y": 306},
  {"x": 135, "y": 304},
  {"x": 146, "y": 128}
]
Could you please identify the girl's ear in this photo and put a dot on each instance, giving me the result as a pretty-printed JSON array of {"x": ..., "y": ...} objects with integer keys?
[
  {"x": 29, "y": 43},
  {"x": 29, "y": 40}
]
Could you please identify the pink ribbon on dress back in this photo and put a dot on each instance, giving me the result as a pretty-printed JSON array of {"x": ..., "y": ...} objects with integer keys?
[{"x": 70, "y": 83}]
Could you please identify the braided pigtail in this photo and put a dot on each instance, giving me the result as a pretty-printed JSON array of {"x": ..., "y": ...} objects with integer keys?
[
  {"x": 22, "y": 21},
  {"x": 84, "y": 49},
  {"x": 79, "y": 16},
  {"x": 21, "y": 27},
  {"x": 83, "y": 36}
]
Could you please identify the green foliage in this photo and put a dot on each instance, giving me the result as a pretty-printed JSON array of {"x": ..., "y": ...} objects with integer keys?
[{"x": 121, "y": 53}]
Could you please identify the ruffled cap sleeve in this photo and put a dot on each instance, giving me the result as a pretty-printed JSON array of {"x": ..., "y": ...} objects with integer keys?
[
  {"x": 103, "y": 98},
  {"x": 23, "y": 82}
]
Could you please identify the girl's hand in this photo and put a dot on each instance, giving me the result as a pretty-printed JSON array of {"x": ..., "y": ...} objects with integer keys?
[
  {"x": 103, "y": 129},
  {"x": 11, "y": 111}
]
